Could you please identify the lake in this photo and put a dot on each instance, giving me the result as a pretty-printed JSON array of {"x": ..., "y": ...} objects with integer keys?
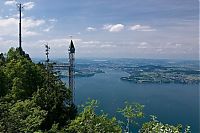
[{"x": 171, "y": 103}]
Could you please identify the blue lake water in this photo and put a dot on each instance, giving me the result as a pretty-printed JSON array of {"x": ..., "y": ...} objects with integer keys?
[{"x": 171, "y": 103}]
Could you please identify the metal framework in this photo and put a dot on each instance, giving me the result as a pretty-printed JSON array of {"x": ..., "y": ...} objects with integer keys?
[
  {"x": 47, "y": 54},
  {"x": 70, "y": 66},
  {"x": 47, "y": 62},
  {"x": 72, "y": 70}
]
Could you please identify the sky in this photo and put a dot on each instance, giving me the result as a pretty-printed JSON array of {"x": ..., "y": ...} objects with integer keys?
[{"x": 151, "y": 29}]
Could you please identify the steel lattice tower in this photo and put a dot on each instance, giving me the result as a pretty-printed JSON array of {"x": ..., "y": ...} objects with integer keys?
[{"x": 72, "y": 70}]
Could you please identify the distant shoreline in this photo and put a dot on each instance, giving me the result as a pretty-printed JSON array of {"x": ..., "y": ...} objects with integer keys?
[{"x": 154, "y": 82}]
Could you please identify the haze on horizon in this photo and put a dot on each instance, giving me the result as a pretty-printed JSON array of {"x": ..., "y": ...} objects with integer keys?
[{"x": 104, "y": 29}]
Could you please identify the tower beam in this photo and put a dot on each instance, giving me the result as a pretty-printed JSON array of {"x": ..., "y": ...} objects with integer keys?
[{"x": 72, "y": 70}]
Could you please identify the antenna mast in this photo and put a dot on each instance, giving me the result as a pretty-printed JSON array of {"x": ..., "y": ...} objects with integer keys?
[
  {"x": 20, "y": 6},
  {"x": 47, "y": 62}
]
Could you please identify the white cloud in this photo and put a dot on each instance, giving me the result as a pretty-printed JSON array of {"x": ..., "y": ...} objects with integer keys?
[
  {"x": 96, "y": 44},
  {"x": 173, "y": 45},
  {"x": 10, "y": 2},
  {"x": 88, "y": 46},
  {"x": 159, "y": 50},
  {"x": 143, "y": 45},
  {"x": 178, "y": 44},
  {"x": 48, "y": 28},
  {"x": 91, "y": 42},
  {"x": 17, "y": 15},
  {"x": 9, "y": 26},
  {"x": 30, "y": 23},
  {"x": 141, "y": 28},
  {"x": 59, "y": 42},
  {"x": 107, "y": 46},
  {"x": 6, "y": 44},
  {"x": 53, "y": 20},
  {"x": 107, "y": 26},
  {"x": 28, "y": 5},
  {"x": 91, "y": 29},
  {"x": 49, "y": 25},
  {"x": 114, "y": 28}
]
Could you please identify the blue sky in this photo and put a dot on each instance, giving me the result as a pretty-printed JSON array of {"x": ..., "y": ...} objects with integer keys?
[{"x": 104, "y": 28}]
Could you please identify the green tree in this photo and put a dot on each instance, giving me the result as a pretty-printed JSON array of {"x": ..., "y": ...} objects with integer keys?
[
  {"x": 154, "y": 126},
  {"x": 16, "y": 54},
  {"x": 89, "y": 122},
  {"x": 131, "y": 112},
  {"x": 34, "y": 99},
  {"x": 3, "y": 83},
  {"x": 3, "y": 77},
  {"x": 24, "y": 77},
  {"x": 2, "y": 59},
  {"x": 22, "y": 116},
  {"x": 26, "y": 72},
  {"x": 54, "y": 100},
  {"x": 54, "y": 97}
]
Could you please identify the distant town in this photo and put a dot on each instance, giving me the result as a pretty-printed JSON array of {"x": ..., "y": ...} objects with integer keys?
[
  {"x": 160, "y": 74},
  {"x": 138, "y": 71}
]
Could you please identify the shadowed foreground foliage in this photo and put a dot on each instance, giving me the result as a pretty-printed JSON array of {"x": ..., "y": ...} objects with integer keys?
[
  {"x": 89, "y": 122},
  {"x": 33, "y": 99},
  {"x": 27, "y": 103}
]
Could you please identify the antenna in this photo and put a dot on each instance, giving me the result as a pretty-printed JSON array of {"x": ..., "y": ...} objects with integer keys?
[
  {"x": 47, "y": 53},
  {"x": 47, "y": 62},
  {"x": 20, "y": 7}
]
